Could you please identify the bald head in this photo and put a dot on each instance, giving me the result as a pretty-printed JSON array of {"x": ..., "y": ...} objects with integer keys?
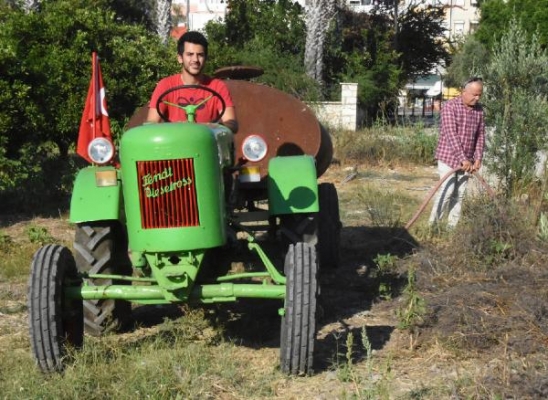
[{"x": 471, "y": 92}]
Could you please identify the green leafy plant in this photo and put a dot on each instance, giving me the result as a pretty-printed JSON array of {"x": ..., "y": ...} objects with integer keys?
[
  {"x": 385, "y": 270},
  {"x": 414, "y": 306},
  {"x": 5, "y": 242},
  {"x": 39, "y": 234}
]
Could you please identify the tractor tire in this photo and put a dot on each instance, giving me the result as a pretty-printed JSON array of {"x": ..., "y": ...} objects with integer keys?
[
  {"x": 329, "y": 226},
  {"x": 55, "y": 322},
  {"x": 296, "y": 228},
  {"x": 298, "y": 331},
  {"x": 101, "y": 248}
]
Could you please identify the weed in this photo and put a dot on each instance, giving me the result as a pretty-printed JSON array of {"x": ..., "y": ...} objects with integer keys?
[
  {"x": 492, "y": 232},
  {"x": 385, "y": 270},
  {"x": 39, "y": 234},
  {"x": 414, "y": 308},
  {"x": 385, "y": 208},
  {"x": 5, "y": 242}
]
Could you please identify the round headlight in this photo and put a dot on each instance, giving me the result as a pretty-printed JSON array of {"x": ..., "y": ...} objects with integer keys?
[
  {"x": 101, "y": 151},
  {"x": 254, "y": 148}
]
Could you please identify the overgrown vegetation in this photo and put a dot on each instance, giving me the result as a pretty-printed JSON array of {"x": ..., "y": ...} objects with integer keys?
[
  {"x": 475, "y": 296},
  {"x": 463, "y": 313},
  {"x": 383, "y": 144},
  {"x": 516, "y": 99}
]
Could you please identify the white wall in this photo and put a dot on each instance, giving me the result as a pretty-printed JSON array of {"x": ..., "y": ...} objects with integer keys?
[{"x": 339, "y": 114}]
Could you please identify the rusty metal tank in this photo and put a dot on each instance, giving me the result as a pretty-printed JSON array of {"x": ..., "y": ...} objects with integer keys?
[{"x": 287, "y": 124}]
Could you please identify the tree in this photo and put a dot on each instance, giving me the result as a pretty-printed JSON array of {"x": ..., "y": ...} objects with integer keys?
[
  {"x": 516, "y": 81},
  {"x": 496, "y": 16},
  {"x": 318, "y": 17},
  {"x": 163, "y": 19},
  {"x": 359, "y": 48},
  {"x": 45, "y": 68},
  {"x": 420, "y": 42},
  {"x": 468, "y": 60},
  {"x": 268, "y": 34}
]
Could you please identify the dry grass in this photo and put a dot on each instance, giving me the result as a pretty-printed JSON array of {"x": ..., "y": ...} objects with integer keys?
[{"x": 482, "y": 333}]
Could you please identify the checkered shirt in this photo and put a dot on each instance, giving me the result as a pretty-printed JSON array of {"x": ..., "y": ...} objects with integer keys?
[{"x": 462, "y": 133}]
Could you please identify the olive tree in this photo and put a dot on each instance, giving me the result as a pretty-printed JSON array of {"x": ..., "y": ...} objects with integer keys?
[{"x": 516, "y": 100}]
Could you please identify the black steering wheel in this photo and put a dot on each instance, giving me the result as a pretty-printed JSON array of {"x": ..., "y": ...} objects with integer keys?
[{"x": 189, "y": 109}]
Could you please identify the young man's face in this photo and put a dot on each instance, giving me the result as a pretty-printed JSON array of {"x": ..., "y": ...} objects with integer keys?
[
  {"x": 471, "y": 94},
  {"x": 193, "y": 58}
]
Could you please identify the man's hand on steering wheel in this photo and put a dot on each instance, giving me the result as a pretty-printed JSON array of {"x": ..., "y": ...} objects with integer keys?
[{"x": 189, "y": 109}]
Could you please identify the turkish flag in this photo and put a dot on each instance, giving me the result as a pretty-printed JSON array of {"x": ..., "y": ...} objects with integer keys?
[{"x": 95, "y": 122}]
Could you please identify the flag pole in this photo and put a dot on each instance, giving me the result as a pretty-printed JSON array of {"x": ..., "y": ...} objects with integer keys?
[{"x": 95, "y": 78}]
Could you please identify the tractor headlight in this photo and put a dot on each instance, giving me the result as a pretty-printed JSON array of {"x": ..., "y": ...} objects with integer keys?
[
  {"x": 101, "y": 151},
  {"x": 254, "y": 148}
]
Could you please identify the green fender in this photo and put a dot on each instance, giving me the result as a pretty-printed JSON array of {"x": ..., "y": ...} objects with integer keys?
[
  {"x": 292, "y": 185},
  {"x": 94, "y": 199}
]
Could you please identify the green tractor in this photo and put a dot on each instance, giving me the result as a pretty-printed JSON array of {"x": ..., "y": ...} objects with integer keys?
[{"x": 162, "y": 223}]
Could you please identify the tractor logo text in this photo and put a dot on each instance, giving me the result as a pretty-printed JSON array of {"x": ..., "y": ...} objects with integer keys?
[{"x": 168, "y": 185}]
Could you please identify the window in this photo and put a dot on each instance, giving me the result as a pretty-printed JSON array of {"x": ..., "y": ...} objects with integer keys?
[
  {"x": 474, "y": 26},
  {"x": 458, "y": 28}
]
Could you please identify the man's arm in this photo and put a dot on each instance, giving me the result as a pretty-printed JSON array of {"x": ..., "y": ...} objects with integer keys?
[
  {"x": 229, "y": 119},
  {"x": 153, "y": 116}
]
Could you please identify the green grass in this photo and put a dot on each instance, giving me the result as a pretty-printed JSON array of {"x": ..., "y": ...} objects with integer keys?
[{"x": 185, "y": 359}]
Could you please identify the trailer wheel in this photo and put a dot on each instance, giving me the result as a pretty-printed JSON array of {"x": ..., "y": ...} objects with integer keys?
[
  {"x": 101, "y": 248},
  {"x": 298, "y": 331},
  {"x": 55, "y": 323},
  {"x": 329, "y": 229}
]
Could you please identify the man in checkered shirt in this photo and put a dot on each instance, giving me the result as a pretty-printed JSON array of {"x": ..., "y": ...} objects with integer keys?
[{"x": 460, "y": 145}]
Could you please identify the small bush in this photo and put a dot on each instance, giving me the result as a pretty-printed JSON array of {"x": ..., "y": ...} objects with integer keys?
[
  {"x": 39, "y": 234},
  {"x": 489, "y": 233},
  {"x": 385, "y": 208}
]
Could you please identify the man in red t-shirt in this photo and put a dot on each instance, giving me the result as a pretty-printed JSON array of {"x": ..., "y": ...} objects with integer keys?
[{"x": 192, "y": 55}]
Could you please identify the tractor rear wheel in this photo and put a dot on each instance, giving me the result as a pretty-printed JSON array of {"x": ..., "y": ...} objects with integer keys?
[
  {"x": 55, "y": 322},
  {"x": 101, "y": 248},
  {"x": 298, "y": 331},
  {"x": 329, "y": 229}
]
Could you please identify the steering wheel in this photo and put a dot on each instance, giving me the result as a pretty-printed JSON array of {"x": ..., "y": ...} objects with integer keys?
[{"x": 189, "y": 109}]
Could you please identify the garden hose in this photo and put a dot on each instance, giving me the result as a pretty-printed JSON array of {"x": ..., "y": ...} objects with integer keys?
[{"x": 489, "y": 190}]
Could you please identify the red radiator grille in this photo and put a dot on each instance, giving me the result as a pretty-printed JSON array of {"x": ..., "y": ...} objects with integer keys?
[{"x": 167, "y": 193}]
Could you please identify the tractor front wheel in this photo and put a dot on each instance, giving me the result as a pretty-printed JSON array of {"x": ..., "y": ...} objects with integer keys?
[
  {"x": 298, "y": 331},
  {"x": 55, "y": 322},
  {"x": 101, "y": 248}
]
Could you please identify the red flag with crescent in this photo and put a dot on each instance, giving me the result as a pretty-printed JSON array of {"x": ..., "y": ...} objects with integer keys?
[{"x": 95, "y": 121}]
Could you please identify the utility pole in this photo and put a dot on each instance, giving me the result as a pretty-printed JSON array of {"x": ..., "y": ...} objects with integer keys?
[
  {"x": 187, "y": 15},
  {"x": 396, "y": 24}
]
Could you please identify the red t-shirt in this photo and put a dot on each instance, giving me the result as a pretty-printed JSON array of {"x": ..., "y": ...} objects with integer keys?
[{"x": 207, "y": 112}]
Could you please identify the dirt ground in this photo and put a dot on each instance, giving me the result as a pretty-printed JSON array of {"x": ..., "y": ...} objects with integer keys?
[{"x": 481, "y": 335}]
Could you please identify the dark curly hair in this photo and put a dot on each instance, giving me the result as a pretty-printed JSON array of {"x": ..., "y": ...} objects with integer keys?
[{"x": 191, "y": 37}]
